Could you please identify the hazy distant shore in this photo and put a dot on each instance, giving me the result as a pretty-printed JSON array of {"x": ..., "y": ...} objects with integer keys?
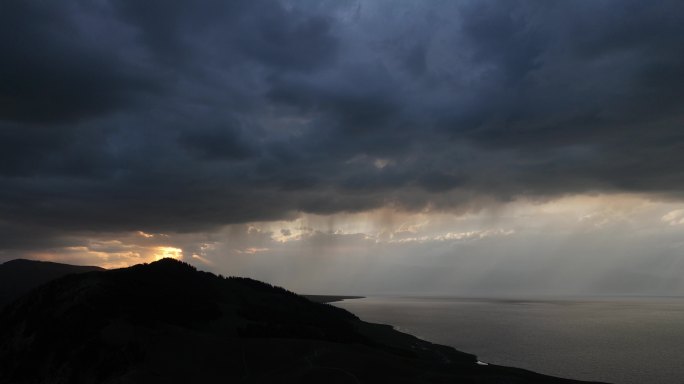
[
  {"x": 568, "y": 337},
  {"x": 329, "y": 298}
]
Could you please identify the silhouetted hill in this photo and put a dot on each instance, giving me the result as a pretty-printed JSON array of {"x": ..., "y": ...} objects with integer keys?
[
  {"x": 19, "y": 276},
  {"x": 167, "y": 322}
]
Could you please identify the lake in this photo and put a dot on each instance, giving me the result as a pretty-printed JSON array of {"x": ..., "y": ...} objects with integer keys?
[{"x": 617, "y": 340}]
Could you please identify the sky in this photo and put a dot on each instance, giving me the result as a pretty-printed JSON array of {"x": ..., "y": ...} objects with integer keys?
[{"x": 350, "y": 146}]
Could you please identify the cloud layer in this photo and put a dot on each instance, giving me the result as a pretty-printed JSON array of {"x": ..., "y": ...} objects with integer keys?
[{"x": 124, "y": 116}]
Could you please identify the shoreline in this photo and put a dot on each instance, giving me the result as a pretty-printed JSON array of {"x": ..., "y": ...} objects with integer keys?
[
  {"x": 327, "y": 299},
  {"x": 502, "y": 368}
]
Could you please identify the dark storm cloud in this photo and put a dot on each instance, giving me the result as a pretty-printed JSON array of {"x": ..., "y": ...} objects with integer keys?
[
  {"x": 53, "y": 67},
  {"x": 183, "y": 116},
  {"x": 215, "y": 143}
]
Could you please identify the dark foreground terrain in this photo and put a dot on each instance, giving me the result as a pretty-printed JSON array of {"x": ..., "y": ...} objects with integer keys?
[
  {"x": 166, "y": 322},
  {"x": 17, "y": 277}
]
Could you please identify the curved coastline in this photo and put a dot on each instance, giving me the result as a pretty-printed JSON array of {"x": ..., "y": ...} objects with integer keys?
[{"x": 329, "y": 299}]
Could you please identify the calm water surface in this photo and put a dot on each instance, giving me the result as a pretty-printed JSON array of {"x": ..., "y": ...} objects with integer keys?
[{"x": 622, "y": 341}]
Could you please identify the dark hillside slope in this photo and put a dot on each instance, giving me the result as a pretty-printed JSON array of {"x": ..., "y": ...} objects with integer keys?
[
  {"x": 19, "y": 276},
  {"x": 166, "y": 322}
]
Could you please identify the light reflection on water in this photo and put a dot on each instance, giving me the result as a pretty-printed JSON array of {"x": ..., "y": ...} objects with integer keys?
[{"x": 623, "y": 341}]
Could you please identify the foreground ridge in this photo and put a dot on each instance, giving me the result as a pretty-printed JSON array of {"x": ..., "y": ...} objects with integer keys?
[{"x": 167, "y": 322}]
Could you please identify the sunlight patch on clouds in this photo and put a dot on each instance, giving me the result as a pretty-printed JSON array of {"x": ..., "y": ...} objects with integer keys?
[
  {"x": 168, "y": 252},
  {"x": 112, "y": 251},
  {"x": 201, "y": 259},
  {"x": 455, "y": 236},
  {"x": 252, "y": 250},
  {"x": 201, "y": 253},
  {"x": 675, "y": 217},
  {"x": 87, "y": 256},
  {"x": 283, "y": 232},
  {"x": 382, "y": 163}
]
